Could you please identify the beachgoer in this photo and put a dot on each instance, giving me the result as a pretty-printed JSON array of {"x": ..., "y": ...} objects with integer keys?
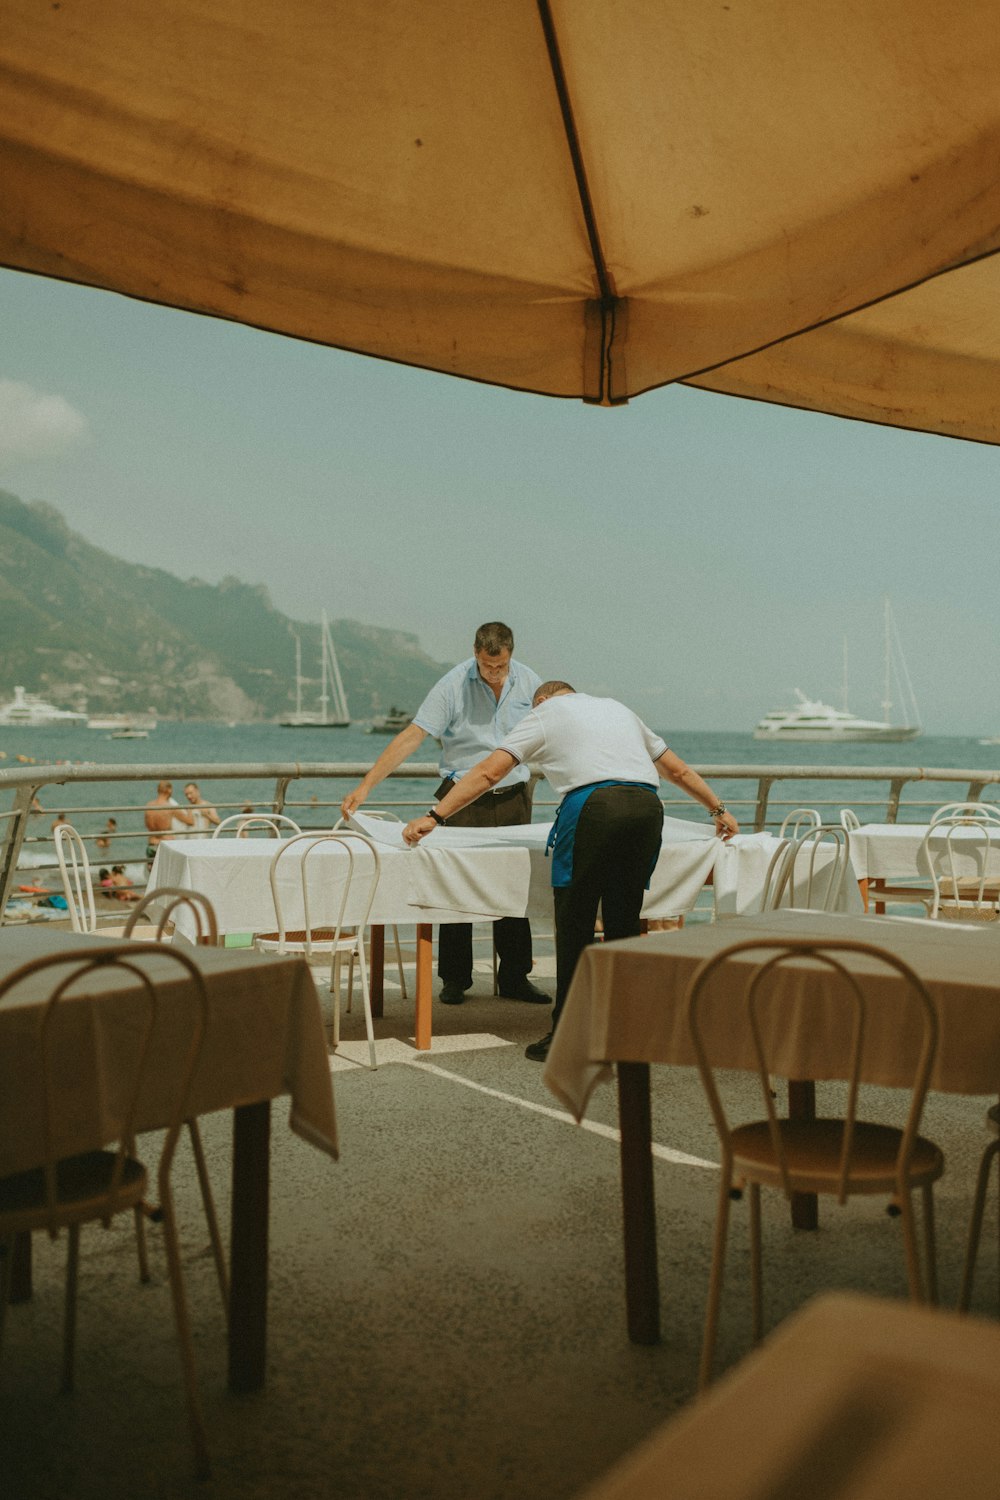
[
  {"x": 162, "y": 812},
  {"x": 122, "y": 888},
  {"x": 470, "y": 711},
  {"x": 602, "y": 761},
  {"x": 103, "y": 840},
  {"x": 59, "y": 822},
  {"x": 205, "y": 815}
]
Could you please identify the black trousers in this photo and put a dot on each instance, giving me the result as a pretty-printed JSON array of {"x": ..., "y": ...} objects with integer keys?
[
  {"x": 511, "y": 934},
  {"x": 617, "y": 841}
]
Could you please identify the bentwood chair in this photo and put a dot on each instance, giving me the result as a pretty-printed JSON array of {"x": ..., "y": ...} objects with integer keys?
[
  {"x": 978, "y": 1206},
  {"x": 243, "y": 825},
  {"x": 78, "y": 887},
  {"x": 810, "y": 872},
  {"x": 70, "y": 1191},
  {"x": 161, "y": 903},
  {"x": 849, "y": 819},
  {"x": 385, "y": 817},
  {"x": 961, "y": 856},
  {"x": 799, "y": 821},
  {"x": 348, "y": 865},
  {"x": 976, "y": 811},
  {"x": 839, "y": 1156}
]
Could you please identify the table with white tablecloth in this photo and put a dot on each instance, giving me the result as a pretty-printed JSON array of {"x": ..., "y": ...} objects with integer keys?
[
  {"x": 264, "y": 1038},
  {"x": 454, "y": 875},
  {"x": 890, "y": 852}
]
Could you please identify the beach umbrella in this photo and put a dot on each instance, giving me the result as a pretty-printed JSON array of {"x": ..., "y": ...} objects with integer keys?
[{"x": 782, "y": 199}]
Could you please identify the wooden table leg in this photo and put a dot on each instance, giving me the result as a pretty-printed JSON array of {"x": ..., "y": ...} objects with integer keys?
[
  {"x": 20, "y": 1269},
  {"x": 425, "y": 986},
  {"x": 802, "y": 1106},
  {"x": 248, "y": 1247},
  {"x": 863, "y": 888},
  {"x": 642, "y": 1287},
  {"x": 376, "y": 974}
]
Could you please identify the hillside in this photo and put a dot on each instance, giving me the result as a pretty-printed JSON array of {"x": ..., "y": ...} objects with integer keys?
[{"x": 78, "y": 624}]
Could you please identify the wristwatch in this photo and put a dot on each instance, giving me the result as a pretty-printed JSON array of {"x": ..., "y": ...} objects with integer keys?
[
  {"x": 437, "y": 817},
  {"x": 718, "y": 810}
]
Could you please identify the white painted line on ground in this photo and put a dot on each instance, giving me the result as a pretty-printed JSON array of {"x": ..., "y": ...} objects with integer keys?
[{"x": 664, "y": 1153}]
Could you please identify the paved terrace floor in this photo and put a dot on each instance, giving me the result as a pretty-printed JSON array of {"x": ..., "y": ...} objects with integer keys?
[{"x": 446, "y": 1309}]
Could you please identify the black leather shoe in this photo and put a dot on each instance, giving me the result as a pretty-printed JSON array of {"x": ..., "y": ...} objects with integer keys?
[
  {"x": 539, "y": 1051},
  {"x": 525, "y": 990},
  {"x": 452, "y": 993}
]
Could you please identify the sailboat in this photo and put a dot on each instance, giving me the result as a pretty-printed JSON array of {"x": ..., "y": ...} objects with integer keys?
[
  {"x": 333, "y": 712},
  {"x": 811, "y": 720}
]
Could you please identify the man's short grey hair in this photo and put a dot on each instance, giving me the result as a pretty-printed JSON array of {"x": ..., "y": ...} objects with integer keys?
[
  {"x": 492, "y": 638},
  {"x": 549, "y": 690}
]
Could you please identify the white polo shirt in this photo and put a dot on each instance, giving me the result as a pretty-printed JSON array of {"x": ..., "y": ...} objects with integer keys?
[{"x": 576, "y": 740}]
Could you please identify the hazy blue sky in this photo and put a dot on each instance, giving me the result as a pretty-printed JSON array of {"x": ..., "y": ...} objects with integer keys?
[{"x": 696, "y": 555}]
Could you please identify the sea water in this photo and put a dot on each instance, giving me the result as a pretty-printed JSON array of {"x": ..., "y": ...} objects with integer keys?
[{"x": 315, "y": 803}]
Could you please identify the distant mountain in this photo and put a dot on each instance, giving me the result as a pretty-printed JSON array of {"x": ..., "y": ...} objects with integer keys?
[{"x": 78, "y": 624}]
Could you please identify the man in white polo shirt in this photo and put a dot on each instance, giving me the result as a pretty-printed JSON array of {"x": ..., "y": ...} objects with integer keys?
[{"x": 605, "y": 764}]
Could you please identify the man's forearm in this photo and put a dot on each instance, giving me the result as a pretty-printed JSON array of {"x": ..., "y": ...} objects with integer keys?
[{"x": 392, "y": 756}]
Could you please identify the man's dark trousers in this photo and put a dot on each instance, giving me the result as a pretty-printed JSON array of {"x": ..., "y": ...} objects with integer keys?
[
  {"x": 512, "y": 935},
  {"x": 616, "y": 845}
]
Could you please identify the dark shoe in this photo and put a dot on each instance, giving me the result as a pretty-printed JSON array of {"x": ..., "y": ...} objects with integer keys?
[
  {"x": 453, "y": 993},
  {"x": 525, "y": 990},
  {"x": 539, "y": 1051}
]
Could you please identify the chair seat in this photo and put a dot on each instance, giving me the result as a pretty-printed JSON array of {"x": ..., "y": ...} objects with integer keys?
[
  {"x": 964, "y": 911},
  {"x": 969, "y": 889},
  {"x": 81, "y": 1183},
  {"x": 813, "y": 1149}
]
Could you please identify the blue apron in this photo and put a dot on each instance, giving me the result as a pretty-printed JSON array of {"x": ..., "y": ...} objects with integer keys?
[{"x": 563, "y": 834}]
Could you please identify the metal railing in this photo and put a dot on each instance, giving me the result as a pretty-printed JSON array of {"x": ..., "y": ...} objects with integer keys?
[{"x": 759, "y": 808}]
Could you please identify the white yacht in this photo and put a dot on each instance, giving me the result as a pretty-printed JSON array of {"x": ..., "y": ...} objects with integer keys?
[
  {"x": 809, "y": 719},
  {"x": 812, "y": 720},
  {"x": 31, "y": 712}
]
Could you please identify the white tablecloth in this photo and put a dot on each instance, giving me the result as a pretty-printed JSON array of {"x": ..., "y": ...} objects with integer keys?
[
  {"x": 454, "y": 875},
  {"x": 889, "y": 851}
]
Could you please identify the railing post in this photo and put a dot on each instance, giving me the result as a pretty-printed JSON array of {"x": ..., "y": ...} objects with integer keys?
[
  {"x": 895, "y": 788},
  {"x": 764, "y": 785},
  {"x": 17, "y": 827}
]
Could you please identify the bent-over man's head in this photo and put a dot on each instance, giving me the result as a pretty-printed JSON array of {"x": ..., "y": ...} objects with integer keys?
[
  {"x": 551, "y": 690},
  {"x": 493, "y": 638}
]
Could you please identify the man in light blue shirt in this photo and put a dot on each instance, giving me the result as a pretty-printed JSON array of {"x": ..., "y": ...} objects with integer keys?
[{"x": 471, "y": 711}]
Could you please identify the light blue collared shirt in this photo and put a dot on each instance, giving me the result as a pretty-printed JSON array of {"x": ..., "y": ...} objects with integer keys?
[{"x": 462, "y": 712}]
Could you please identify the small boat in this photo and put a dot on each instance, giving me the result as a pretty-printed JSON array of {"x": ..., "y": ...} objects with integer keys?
[
  {"x": 129, "y": 734},
  {"x": 390, "y": 723},
  {"x": 332, "y": 688},
  {"x": 808, "y": 719},
  {"x": 31, "y": 712},
  {"x": 115, "y": 724}
]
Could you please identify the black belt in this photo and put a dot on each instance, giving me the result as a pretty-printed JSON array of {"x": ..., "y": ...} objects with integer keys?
[{"x": 496, "y": 791}]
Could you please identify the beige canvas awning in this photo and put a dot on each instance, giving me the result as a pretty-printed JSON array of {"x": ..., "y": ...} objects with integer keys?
[{"x": 781, "y": 199}]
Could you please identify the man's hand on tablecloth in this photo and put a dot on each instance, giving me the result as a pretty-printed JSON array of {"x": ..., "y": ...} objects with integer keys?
[
  {"x": 726, "y": 825},
  {"x": 418, "y": 828}
]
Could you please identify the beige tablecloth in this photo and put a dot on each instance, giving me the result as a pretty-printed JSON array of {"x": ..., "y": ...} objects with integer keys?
[
  {"x": 626, "y": 1003},
  {"x": 264, "y": 1038},
  {"x": 853, "y": 1398}
]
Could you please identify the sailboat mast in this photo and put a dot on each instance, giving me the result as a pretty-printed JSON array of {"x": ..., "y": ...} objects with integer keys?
[
  {"x": 298, "y": 677},
  {"x": 323, "y": 693},
  {"x": 330, "y": 655},
  {"x": 846, "y": 709},
  {"x": 887, "y": 691}
]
